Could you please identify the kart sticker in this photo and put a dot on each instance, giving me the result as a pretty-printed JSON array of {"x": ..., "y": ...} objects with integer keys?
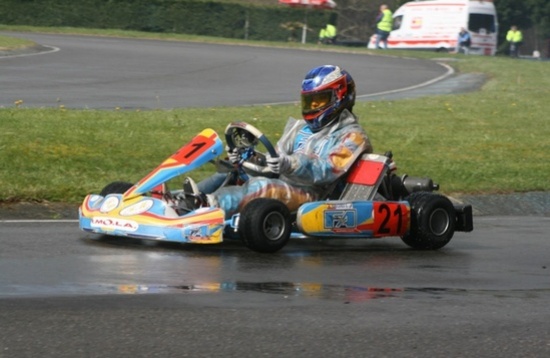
[
  {"x": 340, "y": 219},
  {"x": 392, "y": 219},
  {"x": 138, "y": 208},
  {"x": 197, "y": 233},
  {"x": 109, "y": 204},
  {"x": 194, "y": 149},
  {"x": 203, "y": 233},
  {"x": 111, "y": 224}
]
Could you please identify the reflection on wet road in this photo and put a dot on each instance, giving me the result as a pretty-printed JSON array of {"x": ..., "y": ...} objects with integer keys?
[
  {"x": 66, "y": 261},
  {"x": 64, "y": 291}
]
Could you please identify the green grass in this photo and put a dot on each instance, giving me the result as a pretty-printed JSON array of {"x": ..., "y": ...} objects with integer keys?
[
  {"x": 148, "y": 35},
  {"x": 11, "y": 43},
  {"x": 492, "y": 141}
]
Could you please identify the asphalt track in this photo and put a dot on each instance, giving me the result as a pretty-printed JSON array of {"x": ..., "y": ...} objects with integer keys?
[
  {"x": 65, "y": 293},
  {"x": 92, "y": 72}
]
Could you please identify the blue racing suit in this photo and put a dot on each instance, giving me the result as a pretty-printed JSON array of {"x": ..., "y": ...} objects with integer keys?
[{"x": 316, "y": 160}]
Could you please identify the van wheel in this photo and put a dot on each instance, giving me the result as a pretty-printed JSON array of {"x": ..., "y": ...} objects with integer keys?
[
  {"x": 265, "y": 225},
  {"x": 433, "y": 221}
]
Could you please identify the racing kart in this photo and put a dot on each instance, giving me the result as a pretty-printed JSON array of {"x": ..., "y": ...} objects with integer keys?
[{"x": 370, "y": 201}]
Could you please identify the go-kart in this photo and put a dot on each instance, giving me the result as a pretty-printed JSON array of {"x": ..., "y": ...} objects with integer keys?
[{"x": 370, "y": 201}]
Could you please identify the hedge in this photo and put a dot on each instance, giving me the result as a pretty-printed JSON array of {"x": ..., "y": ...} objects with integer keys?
[{"x": 195, "y": 17}]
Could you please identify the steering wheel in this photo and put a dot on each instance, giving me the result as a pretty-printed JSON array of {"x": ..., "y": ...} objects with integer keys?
[{"x": 246, "y": 138}]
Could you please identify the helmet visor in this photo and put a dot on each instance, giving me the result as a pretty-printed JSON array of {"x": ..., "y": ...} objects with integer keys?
[{"x": 316, "y": 101}]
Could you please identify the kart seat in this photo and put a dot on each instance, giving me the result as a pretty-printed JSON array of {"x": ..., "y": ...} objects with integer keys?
[
  {"x": 359, "y": 186},
  {"x": 341, "y": 189}
]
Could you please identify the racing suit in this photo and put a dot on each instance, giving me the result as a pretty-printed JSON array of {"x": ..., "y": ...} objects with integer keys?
[{"x": 316, "y": 160}]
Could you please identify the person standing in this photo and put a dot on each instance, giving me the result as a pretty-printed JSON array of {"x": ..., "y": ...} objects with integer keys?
[
  {"x": 383, "y": 26},
  {"x": 515, "y": 39},
  {"x": 328, "y": 34}
]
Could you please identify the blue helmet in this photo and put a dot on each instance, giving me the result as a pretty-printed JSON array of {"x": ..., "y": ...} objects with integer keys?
[{"x": 326, "y": 92}]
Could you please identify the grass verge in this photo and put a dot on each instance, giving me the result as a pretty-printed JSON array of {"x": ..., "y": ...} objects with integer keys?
[
  {"x": 11, "y": 43},
  {"x": 491, "y": 141}
]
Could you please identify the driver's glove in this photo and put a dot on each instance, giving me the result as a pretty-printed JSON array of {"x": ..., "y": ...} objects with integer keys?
[
  {"x": 278, "y": 165},
  {"x": 233, "y": 155}
]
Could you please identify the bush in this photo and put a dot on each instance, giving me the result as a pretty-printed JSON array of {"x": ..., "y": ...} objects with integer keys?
[{"x": 192, "y": 17}]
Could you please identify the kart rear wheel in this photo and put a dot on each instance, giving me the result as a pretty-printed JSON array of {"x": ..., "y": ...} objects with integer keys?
[
  {"x": 433, "y": 221},
  {"x": 116, "y": 187},
  {"x": 265, "y": 225}
]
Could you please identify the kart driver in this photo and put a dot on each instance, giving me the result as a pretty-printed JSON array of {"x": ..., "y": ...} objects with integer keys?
[{"x": 313, "y": 152}]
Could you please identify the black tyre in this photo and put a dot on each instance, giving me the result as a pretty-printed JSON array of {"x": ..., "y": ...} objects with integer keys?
[
  {"x": 433, "y": 221},
  {"x": 265, "y": 225},
  {"x": 117, "y": 187}
]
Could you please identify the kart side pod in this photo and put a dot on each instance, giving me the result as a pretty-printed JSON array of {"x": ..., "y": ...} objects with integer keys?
[
  {"x": 354, "y": 219},
  {"x": 372, "y": 178}
]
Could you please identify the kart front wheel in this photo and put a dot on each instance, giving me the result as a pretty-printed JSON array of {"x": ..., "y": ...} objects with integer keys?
[
  {"x": 265, "y": 225},
  {"x": 433, "y": 221},
  {"x": 116, "y": 187}
]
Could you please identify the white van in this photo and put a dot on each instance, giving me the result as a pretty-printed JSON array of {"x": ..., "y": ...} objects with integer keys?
[{"x": 435, "y": 24}]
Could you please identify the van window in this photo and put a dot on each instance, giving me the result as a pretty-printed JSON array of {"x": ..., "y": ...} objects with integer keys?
[
  {"x": 397, "y": 22},
  {"x": 482, "y": 23}
]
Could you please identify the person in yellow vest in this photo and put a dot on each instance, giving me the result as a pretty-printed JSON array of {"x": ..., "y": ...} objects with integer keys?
[
  {"x": 383, "y": 26},
  {"x": 515, "y": 39},
  {"x": 328, "y": 34}
]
